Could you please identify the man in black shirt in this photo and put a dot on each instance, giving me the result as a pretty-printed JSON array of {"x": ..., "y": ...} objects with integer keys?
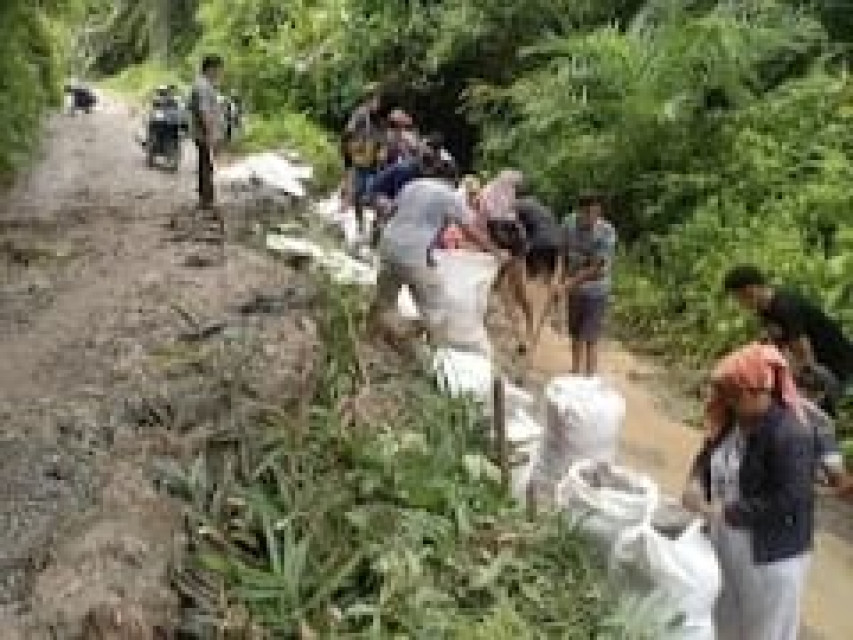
[{"x": 813, "y": 340}]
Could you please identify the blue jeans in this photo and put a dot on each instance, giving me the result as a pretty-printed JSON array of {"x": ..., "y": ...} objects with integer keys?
[{"x": 362, "y": 182}]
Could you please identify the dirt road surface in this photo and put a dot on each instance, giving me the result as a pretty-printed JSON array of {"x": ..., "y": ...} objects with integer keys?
[
  {"x": 104, "y": 269},
  {"x": 102, "y": 262}
]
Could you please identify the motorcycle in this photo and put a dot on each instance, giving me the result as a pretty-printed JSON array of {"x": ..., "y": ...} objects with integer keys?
[
  {"x": 167, "y": 125},
  {"x": 79, "y": 97}
]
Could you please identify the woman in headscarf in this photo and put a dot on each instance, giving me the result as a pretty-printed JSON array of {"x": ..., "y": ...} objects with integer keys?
[{"x": 752, "y": 481}]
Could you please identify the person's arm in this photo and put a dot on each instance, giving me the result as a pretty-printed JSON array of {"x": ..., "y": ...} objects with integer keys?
[
  {"x": 792, "y": 468},
  {"x": 801, "y": 351},
  {"x": 481, "y": 240},
  {"x": 600, "y": 260},
  {"x": 791, "y": 334}
]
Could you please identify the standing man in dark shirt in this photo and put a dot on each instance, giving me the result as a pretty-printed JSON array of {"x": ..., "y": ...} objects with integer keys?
[
  {"x": 798, "y": 326},
  {"x": 207, "y": 124}
]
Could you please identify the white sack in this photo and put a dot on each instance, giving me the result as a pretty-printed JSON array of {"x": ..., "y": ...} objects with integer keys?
[
  {"x": 684, "y": 570},
  {"x": 461, "y": 373},
  {"x": 584, "y": 418},
  {"x": 605, "y": 512},
  {"x": 457, "y": 312},
  {"x": 406, "y": 306},
  {"x": 291, "y": 246},
  {"x": 342, "y": 268},
  {"x": 267, "y": 170},
  {"x": 345, "y": 269}
]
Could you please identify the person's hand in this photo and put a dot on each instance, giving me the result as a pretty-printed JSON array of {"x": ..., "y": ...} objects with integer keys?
[
  {"x": 711, "y": 511},
  {"x": 502, "y": 256},
  {"x": 692, "y": 498}
]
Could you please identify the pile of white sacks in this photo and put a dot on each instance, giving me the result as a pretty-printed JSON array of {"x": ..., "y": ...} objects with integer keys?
[
  {"x": 569, "y": 438},
  {"x": 657, "y": 549}
]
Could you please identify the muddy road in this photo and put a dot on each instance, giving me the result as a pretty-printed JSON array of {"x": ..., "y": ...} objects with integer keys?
[{"x": 107, "y": 280}]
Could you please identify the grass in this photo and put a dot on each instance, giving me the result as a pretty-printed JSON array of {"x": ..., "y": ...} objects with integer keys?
[
  {"x": 137, "y": 83},
  {"x": 294, "y": 131},
  {"x": 325, "y": 524}
]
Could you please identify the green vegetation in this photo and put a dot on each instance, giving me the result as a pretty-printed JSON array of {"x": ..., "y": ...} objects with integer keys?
[
  {"x": 31, "y": 59},
  {"x": 396, "y": 527},
  {"x": 138, "y": 82}
]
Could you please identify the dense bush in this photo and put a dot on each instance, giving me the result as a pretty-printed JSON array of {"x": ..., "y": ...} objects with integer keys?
[{"x": 31, "y": 59}]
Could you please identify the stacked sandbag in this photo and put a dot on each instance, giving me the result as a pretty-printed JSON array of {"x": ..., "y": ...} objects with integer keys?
[
  {"x": 605, "y": 500},
  {"x": 463, "y": 373},
  {"x": 455, "y": 309},
  {"x": 583, "y": 421},
  {"x": 677, "y": 563}
]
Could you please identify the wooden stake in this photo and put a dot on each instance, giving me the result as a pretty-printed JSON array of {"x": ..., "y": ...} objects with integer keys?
[{"x": 499, "y": 421}]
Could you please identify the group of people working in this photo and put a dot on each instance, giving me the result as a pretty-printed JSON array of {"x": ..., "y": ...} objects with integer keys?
[
  {"x": 768, "y": 427},
  {"x": 422, "y": 205}
]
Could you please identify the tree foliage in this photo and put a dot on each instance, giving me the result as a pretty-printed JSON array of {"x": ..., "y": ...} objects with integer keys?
[{"x": 31, "y": 69}]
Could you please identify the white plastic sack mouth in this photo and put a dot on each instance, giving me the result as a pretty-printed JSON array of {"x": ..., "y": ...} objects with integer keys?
[
  {"x": 266, "y": 170},
  {"x": 606, "y": 500}
]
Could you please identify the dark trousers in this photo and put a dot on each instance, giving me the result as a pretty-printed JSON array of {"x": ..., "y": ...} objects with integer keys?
[{"x": 205, "y": 175}]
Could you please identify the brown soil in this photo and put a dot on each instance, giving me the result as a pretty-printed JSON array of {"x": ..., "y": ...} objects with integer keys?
[{"x": 121, "y": 340}]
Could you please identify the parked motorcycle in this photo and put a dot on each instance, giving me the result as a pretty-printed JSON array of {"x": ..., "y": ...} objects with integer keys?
[{"x": 166, "y": 127}]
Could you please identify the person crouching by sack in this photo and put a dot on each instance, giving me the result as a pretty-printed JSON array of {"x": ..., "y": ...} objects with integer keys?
[
  {"x": 424, "y": 208},
  {"x": 752, "y": 481}
]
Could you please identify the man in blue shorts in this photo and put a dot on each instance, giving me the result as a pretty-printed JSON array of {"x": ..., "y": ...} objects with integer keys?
[{"x": 590, "y": 245}]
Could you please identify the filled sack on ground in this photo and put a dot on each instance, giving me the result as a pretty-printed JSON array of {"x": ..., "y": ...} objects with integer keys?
[
  {"x": 456, "y": 308},
  {"x": 605, "y": 500},
  {"x": 463, "y": 373},
  {"x": 583, "y": 419},
  {"x": 677, "y": 563}
]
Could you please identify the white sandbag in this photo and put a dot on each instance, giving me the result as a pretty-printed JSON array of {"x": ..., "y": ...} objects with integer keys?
[
  {"x": 461, "y": 373},
  {"x": 457, "y": 312},
  {"x": 291, "y": 246},
  {"x": 583, "y": 421},
  {"x": 345, "y": 269},
  {"x": 605, "y": 500},
  {"x": 265, "y": 170},
  {"x": 406, "y": 306},
  {"x": 683, "y": 568},
  {"x": 522, "y": 428}
]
